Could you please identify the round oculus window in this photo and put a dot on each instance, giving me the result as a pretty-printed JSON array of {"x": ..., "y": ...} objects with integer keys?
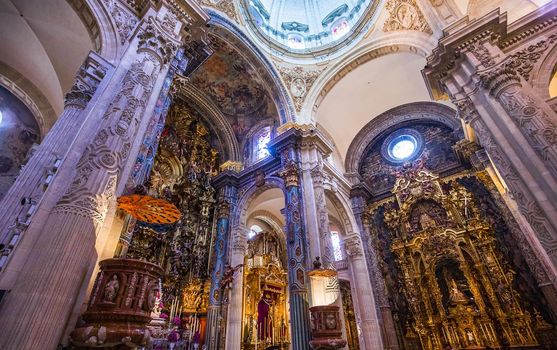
[{"x": 402, "y": 145}]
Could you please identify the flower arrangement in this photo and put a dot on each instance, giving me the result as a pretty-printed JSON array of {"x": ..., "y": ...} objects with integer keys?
[
  {"x": 177, "y": 320},
  {"x": 163, "y": 316},
  {"x": 173, "y": 336}
]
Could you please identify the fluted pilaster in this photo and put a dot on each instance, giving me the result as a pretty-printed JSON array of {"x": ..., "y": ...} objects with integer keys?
[{"x": 50, "y": 283}]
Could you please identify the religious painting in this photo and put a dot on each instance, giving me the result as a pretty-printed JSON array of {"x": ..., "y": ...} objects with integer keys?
[
  {"x": 19, "y": 131},
  {"x": 235, "y": 87}
]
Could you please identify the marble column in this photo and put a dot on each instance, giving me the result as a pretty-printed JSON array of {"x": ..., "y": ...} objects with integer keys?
[
  {"x": 517, "y": 128},
  {"x": 297, "y": 252},
  {"x": 227, "y": 203},
  {"x": 38, "y": 307},
  {"x": 33, "y": 184},
  {"x": 234, "y": 322},
  {"x": 369, "y": 322}
]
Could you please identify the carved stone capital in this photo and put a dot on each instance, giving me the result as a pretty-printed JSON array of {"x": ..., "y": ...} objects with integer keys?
[
  {"x": 152, "y": 39},
  {"x": 499, "y": 78},
  {"x": 90, "y": 74},
  {"x": 466, "y": 109},
  {"x": 353, "y": 246},
  {"x": 223, "y": 210},
  {"x": 290, "y": 174}
]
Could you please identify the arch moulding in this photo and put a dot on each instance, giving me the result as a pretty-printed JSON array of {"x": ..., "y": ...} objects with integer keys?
[{"x": 411, "y": 112}]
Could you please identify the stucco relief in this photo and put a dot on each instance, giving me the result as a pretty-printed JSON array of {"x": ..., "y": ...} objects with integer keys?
[
  {"x": 298, "y": 82},
  {"x": 405, "y": 15}
]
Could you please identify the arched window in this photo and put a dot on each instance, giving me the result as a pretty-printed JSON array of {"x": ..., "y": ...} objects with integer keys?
[
  {"x": 340, "y": 28},
  {"x": 337, "y": 252},
  {"x": 254, "y": 230},
  {"x": 260, "y": 142}
]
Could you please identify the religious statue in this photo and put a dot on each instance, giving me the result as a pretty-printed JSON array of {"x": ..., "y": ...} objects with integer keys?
[
  {"x": 264, "y": 320},
  {"x": 426, "y": 221},
  {"x": 111, "y": 289},
  {"x": 455, "y": 295},
  {"x": 228, "y": 275}
]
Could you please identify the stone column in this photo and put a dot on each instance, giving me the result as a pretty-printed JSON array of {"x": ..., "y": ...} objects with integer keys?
[
  {"x": 234, "y": 328},
  {"x": 517, "y": 128},
  {"x": 297, "y": 251},
  {"x": 30, "y": 192},
  {"x": 36, "y": 310},
  {"x": 227, "y": 203},
  {"x": 368, "y": 317}
]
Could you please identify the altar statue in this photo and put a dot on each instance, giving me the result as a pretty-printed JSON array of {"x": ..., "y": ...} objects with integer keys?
[
  {"x": 455, "y": 295},
  {"x": 264, "y": 321},
  {"x": 111, "y": 289}
]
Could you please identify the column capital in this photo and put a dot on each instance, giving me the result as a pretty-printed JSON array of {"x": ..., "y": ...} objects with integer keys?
[
  {"x": 290, "y": 174},
  {"x": 499, "y": 78},
  {"x": 353, "y": 246},
  {"x": 90, "y": 74}
]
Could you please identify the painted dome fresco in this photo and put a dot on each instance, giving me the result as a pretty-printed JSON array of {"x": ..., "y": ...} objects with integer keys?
[{"x": 308, "y": 27}]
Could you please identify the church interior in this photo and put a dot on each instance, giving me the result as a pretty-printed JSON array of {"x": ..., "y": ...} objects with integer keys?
[{"x": 278, "y": 174}]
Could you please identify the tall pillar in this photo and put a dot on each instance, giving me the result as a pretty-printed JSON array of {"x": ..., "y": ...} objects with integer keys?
[
  {"x": 516, "y": 127},
  {"x": 296, "y": 249},
  {"x": 234, "y": 322},
  {"x": 227, "y": 203},
  {"x": 368, "y": 322},
  {"x": 377, "y": 310},
  {"x": 38, "y": 307},
  {"x": 33, "y": 184}
]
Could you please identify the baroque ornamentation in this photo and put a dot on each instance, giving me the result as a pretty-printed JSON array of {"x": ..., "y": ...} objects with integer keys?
[
  {"x": 290, "y": 174},
  {"x": 353, "y": 246},
  {"x": 224, "y": 6},
  {"x": 405, "y": 15},
  {"x": 90, "y": 74},
  {"x": 482, "y": 54},
  {"x": 151, "y": 38},
  {"x": 524, "y": 60},
  {"x": 299, "y": 81},
  {"x": 125, "y": 20}
]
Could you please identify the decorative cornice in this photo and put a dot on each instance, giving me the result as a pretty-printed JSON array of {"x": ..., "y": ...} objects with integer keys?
[{"x": 231, "y": 166}]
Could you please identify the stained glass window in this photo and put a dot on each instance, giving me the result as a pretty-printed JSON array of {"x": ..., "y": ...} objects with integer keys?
[
  {"x": 340, "y": 28},
  {"x": 335, "y": 239},
  {"x": 262, "y": 139}
]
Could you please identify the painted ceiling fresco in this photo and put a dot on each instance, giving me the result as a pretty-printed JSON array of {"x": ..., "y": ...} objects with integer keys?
[
  {"x": 18, "y": 132},
  {"x": 235, "y": 87}
]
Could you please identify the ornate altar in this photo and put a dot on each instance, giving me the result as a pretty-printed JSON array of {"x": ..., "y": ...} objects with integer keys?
[
  {"x": 456, "y": 284},
  {"x": 265, "y": 317},
  {"x": 184, "y": 165}
]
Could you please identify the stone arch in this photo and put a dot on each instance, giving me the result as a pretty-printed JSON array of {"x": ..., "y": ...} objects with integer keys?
[
  {"x": 98, "y": 17},
  {"x": 251, "y": 192},
  {"x": 229, "y": 31},
  {"x": 30, "y": 95},
  {"x": 418, "y": 43},
  {"x": 214, "y": 117},
  {"x": 411, "y": 112},
  {"x": 346, "y": 219},
  {"x": 543, "y": 72}
]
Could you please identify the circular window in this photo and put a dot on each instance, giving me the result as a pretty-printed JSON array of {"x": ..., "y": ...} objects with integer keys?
[{"x": 402, "y": 145}]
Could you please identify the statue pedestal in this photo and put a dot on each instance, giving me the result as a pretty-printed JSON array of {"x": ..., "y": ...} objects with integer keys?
[
  {"x": 120, "y": 306},
  {"x": 326, "y": 328}
]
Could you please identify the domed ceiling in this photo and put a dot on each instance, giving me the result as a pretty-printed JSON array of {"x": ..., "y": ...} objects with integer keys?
[{"x": 308, "y": 27}]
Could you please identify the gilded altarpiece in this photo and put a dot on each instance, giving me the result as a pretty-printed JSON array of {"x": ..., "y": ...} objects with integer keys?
[
  {"x": 185, "y": 163},
  {"x": 265, "y": 316},
  {"x": 449, "y": 278}
]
